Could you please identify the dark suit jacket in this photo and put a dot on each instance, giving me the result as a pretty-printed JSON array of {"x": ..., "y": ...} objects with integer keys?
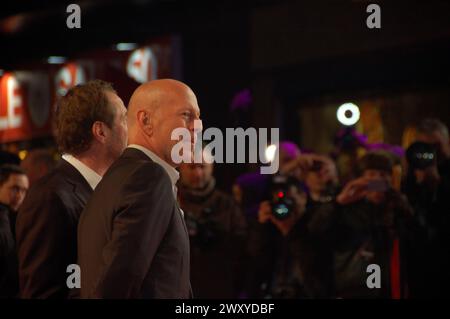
[
  {"x": 46, "y": 232},
  {"x": 9, "y": 282},
  {"x": 132, "y": 240}
]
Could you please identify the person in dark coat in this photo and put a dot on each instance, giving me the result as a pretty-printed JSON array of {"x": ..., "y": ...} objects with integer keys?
[
  {"x": 372, "y": 225},
  {"x": 13, "y": 187},
  {"x": 217, "y": 229},
  {"x": 91, "y": 132}
]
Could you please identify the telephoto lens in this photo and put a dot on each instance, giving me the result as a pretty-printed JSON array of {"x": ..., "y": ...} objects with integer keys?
[
  {"x": 421, "y": 155},
  {"x": 282, "y": 204},
  {"x": 282, "y": 207}
]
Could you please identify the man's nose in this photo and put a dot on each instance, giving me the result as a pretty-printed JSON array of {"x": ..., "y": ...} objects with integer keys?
[
  {"x": 16, "y": 197},
  {"x": 197, "y": 126},
  {"x": 21, "y": 194},
  {"x": 198, "y": 173}
]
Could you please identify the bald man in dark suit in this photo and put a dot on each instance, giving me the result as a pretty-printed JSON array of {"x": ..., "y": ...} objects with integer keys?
[{"x": 132, "y": 239}]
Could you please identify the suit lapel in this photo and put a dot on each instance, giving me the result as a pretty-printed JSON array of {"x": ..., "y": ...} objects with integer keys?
[
  {"x": 81, "y": 187},
  {"x": 82, "y": 192},
  {"x": 135, "y": 153}
]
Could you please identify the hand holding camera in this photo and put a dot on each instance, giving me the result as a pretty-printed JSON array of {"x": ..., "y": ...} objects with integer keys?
[
  {"x": 360, "y": 188},
  {"x": 353, "y": 191},
  {"x": 285, "y": 208},
  {"x": 422, "y": 159},
  {"x": 285, "y": 225}
]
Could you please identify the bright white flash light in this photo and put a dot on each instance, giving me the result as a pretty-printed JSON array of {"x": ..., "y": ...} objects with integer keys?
[
  {"x": 126, "y": 46},
  {"x": 270, "y": 152},
  {"x": 56, "y": 60},
  {"x": 348, "y": 114}
]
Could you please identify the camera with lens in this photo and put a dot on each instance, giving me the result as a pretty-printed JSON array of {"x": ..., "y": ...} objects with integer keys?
[
  {"x": 421, "y": 155},
  {"x": 282, "y": 204}
]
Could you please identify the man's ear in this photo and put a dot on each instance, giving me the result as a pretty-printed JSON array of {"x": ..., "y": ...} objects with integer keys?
[
  {"x": 145, "y": 122},
  {"x": 99, "y": 131}
]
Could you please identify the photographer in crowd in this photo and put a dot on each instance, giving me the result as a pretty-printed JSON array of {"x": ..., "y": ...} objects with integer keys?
[
  {"x": 372, "y": 224},
  {"x": 291, "y": 257},
  {"x": 428, "y": 178},
  {"x": 217, "y": 230},
  {"x": 252, "y": 188},
  {"x": 427, "y": 185}
]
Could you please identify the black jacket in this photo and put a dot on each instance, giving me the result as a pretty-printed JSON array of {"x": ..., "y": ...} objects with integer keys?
[
  {"x": 9, "y": 282},
  {"x": 47, "y": 232},
  {"x": 217, "y": 231},
  {"x": 132, "y": 239}
]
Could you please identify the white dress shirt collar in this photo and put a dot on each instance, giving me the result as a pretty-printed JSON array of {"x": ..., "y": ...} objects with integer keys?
[{"x": 89, "y": 174}]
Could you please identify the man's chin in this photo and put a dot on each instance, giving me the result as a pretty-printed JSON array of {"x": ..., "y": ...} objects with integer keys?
[{"x": 198, "y": 186}]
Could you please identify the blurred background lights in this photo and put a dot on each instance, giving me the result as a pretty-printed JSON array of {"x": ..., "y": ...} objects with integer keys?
[
  {"x": 126, "y": 46},
  {"x": 348, "y": 114},
  {"x": 56, "y": 60},
  {"x": 270, "y": 152}
]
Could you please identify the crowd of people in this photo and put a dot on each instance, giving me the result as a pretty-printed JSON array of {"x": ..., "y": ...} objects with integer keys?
[
  {"x": 313, "y": 230},
  {"x": 392, "y": 212}
]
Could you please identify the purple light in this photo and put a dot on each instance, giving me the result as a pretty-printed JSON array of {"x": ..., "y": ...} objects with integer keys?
[{"x": 242, "y": 100}]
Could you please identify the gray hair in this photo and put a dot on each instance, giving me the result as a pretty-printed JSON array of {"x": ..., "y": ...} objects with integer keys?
[{"x": 430, "y": 125}]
